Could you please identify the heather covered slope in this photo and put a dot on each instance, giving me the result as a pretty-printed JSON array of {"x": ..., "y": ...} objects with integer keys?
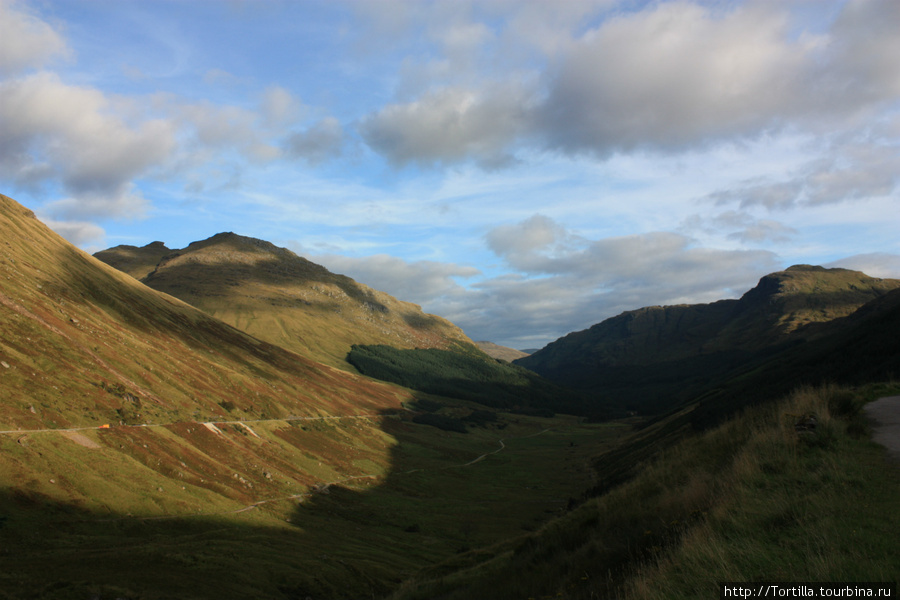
[
  {"x": 73, "y": 328},
  {"x": 648, "y": 358},
  {"x": 83, "y": 345},
  {"x": 280, "y": 297}
]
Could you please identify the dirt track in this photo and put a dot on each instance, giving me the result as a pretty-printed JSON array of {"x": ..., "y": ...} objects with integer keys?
[{"x": 884, "y": 414}]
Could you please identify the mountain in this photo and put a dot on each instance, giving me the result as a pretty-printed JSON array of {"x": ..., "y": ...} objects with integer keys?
[
  {"x": 120, "y": 405},
  {"x": 644, "y": 359},
  {"x": 854, "y": 350},
  {"x": 502, "y": 352},
  {"x": 151, "y": 451},
  {"x": 137, "y": 262},
  {"x": 277, "y": 296}
]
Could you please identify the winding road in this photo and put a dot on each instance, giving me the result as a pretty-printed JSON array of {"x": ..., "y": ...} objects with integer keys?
[{"x": 214, "y": 422}]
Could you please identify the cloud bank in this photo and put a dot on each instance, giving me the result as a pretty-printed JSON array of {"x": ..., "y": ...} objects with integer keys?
[{"x": 532, "y": 167}]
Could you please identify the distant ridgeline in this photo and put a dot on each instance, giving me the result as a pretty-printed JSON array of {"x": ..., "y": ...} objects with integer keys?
[
  {"x": 471, "y": 375},
  {"x": 277, "y": 296},
  {"x": 806, "y": 324}
]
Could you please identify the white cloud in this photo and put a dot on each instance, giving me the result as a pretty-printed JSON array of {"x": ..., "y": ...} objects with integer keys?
[
  {"x": 849, "y": 170},
  {"x": 671, "y": 76},
  {"x": 448, "y": 125},
  {"x": 278, "y": 106},
  {"x": 876, "y": 264},
  {"x": 123, "y": 202},
  {"x": 317, "y": 143},
  {"x": 51, "y": 130},
  {"x": 529, "y": 245},
  {"x": 79, "y": 233},
  {"x": 563, "y": 287},
  {"x": 421, "y": 281},
  {"x": 220, "y": 77},
  {"x": 740, "y": 226},
  {"x": 25, "y": 40},
  {"x": 560, "y": 282}
]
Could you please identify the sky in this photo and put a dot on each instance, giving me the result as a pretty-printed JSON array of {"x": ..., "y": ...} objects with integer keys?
[{"x": 524, "y": 168}]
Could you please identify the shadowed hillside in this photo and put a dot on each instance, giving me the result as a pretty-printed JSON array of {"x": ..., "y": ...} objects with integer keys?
[
  {"x": 649, "y": 358},
  {"x": 280, "y": 297}
]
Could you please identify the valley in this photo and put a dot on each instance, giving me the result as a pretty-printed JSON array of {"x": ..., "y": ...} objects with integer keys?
[
  {"x": 401, "y": 498},
  {"x": 242, "y": 423}
]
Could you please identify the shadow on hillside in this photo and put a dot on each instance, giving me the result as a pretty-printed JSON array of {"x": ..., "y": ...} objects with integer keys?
[
  {"x": 357, "y": 538},
  {"x": 205, "y": 280}
]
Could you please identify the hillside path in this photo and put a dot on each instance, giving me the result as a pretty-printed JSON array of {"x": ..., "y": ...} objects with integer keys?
[
  {"x": 884, "y": 414},
  {"x": 205, "y": 423}
]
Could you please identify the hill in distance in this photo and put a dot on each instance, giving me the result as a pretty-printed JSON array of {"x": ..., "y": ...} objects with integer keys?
[
  {"x": 502, "y": 352},
  {"x": 133, "y": 260},
  {"x": 275, "y": 295},
  {"x": 645, "y": 359}
]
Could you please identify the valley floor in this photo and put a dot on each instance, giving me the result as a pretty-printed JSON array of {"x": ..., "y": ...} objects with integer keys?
[{"x": 404, "y": 497}]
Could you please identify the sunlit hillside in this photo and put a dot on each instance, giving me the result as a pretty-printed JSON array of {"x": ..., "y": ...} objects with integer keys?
[
  {"x": 280, "y": 297},
  {"x": 150, "y": 451}
]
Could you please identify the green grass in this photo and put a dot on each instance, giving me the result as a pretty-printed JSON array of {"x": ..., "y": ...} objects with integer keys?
[
  {"x": 356, "y": 539},
  {"x": 750, "y": 500}
]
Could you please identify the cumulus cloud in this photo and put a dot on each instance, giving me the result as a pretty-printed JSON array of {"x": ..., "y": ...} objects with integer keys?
[
  {"x": 876, "y": 264},
  {"x": 25, "y": 40},
  {"x": 528, "y": 246},
  {"x": 448, "y": 125},
  {"x": 217, "y": 126},
  {"x": 278, "y": 106},
  {"x": 421, "y": 282},
  {"x": 673, "y": 76},
  {"x": 740, "y": 226},
  {"x": 561, "y": 288},
  {"x": 123, "y": 202},
  {"x": 670, "y": 76},
  {"x": 52, "y": 130},
  {"x": 560, "y": 282},
  {"x": 317, "y": 143},
  {"x": 849, "y": 171},
  {"x": 78, "y": 233}
]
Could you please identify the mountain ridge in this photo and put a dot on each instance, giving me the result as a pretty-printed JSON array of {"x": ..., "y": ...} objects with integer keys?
[
  {"x": 641, "y": 356},
  {"x": 286, "y": 299}
]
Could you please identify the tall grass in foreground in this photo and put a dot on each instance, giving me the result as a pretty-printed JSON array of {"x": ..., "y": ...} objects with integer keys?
[
  {"x": 793, "y": 506},
  {"x": 754, "y": 499}
]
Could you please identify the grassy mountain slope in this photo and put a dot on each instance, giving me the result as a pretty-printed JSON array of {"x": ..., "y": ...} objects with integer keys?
[
  {"x": 282, "y": 298},
  {"x": 137, "y": 262},
  {"x": 231, "y": 468},
  {"x": 851, "y": 350},
  {"x": 643, "y": 359},
  {"x": 751, "y": 500},
  {"x": 502, "y": 352},
  {"x": 76, "y": 330}
]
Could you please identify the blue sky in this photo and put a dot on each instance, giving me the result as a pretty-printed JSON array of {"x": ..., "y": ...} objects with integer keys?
[{"x": 523, "y": 168}]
